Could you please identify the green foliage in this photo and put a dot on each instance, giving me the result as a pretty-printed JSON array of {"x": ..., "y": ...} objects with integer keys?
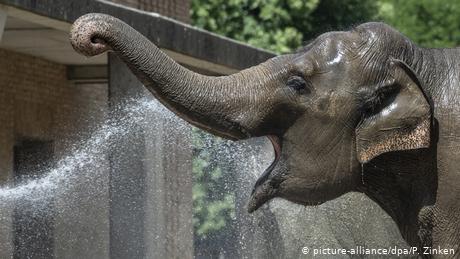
[
  {"x": 213, "y": 203},
  {"x": 333, "y": 15},
  {"x": 282, "y": 25},
  {"x": 431, "y": 23},
  {"x": 278, "y": 25}
]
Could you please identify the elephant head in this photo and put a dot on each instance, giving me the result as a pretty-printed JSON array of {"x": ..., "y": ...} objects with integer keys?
[{"x": 332, "y": 106}]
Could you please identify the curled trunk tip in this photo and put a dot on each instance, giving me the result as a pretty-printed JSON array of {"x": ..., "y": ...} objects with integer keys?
[{"x": 88, "y": 31}]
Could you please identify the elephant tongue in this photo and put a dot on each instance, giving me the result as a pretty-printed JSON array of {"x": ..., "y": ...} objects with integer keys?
[{"x": 276, "y": 142}]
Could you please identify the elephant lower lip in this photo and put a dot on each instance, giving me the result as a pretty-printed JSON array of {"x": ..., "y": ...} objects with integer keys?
[{"x": 276, "y": 142}]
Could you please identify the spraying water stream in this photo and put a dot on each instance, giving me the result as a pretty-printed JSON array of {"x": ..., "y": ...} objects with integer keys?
[
  {"x": 85, "y": 154},
  {"x": 83, "y": 161}
]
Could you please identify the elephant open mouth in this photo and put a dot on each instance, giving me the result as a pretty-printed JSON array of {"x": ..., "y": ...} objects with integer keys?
[
  {"x": 276, "y": 142},
  {"x": 262, "y": 192}
]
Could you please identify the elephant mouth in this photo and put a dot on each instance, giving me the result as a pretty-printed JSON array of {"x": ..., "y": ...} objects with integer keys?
[
  {"x": 276, "y": 142},
  {"x": 262, "y": 192}
]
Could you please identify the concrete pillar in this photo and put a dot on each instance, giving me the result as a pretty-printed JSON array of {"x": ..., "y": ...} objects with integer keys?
[
  {"x": 168, "y": 196},
  {"x": 127, "y": 173},
  {"x": 151, "y": 181}
]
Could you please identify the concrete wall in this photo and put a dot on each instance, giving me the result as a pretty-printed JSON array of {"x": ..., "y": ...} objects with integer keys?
[
  {"x": 38, "y": 102},
  {"x": 176, "y": 9}
]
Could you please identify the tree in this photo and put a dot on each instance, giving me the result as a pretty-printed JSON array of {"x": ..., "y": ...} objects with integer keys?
[
  {"x": 430, "y": 23},
  {"x": 278, "y": 25},
  {"x": 213, "y": 201}
]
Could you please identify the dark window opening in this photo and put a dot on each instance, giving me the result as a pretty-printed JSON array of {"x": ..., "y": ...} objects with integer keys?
[{"x": 32, "y": 222}]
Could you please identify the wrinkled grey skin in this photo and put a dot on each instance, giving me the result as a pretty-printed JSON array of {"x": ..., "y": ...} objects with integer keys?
[{"x": 362, "y": 110}]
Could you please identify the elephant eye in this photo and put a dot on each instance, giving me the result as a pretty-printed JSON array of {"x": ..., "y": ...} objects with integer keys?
[{"x": 298, "y": 84}]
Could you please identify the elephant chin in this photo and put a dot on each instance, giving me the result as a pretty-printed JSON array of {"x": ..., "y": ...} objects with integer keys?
[{"x": 263, "y": 189}]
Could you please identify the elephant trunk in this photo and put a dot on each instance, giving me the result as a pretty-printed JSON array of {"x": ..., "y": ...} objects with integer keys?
[{"x": 225, "y": 106}]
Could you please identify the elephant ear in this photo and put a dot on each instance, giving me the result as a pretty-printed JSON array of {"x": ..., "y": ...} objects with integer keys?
[{"x": 397, "y": 115}]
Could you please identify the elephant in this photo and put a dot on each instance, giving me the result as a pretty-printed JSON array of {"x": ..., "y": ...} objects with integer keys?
[{"x": 363, "y": 110}]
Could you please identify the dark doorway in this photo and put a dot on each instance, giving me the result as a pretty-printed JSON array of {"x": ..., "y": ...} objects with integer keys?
[{"x": 32, "y": 223}]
